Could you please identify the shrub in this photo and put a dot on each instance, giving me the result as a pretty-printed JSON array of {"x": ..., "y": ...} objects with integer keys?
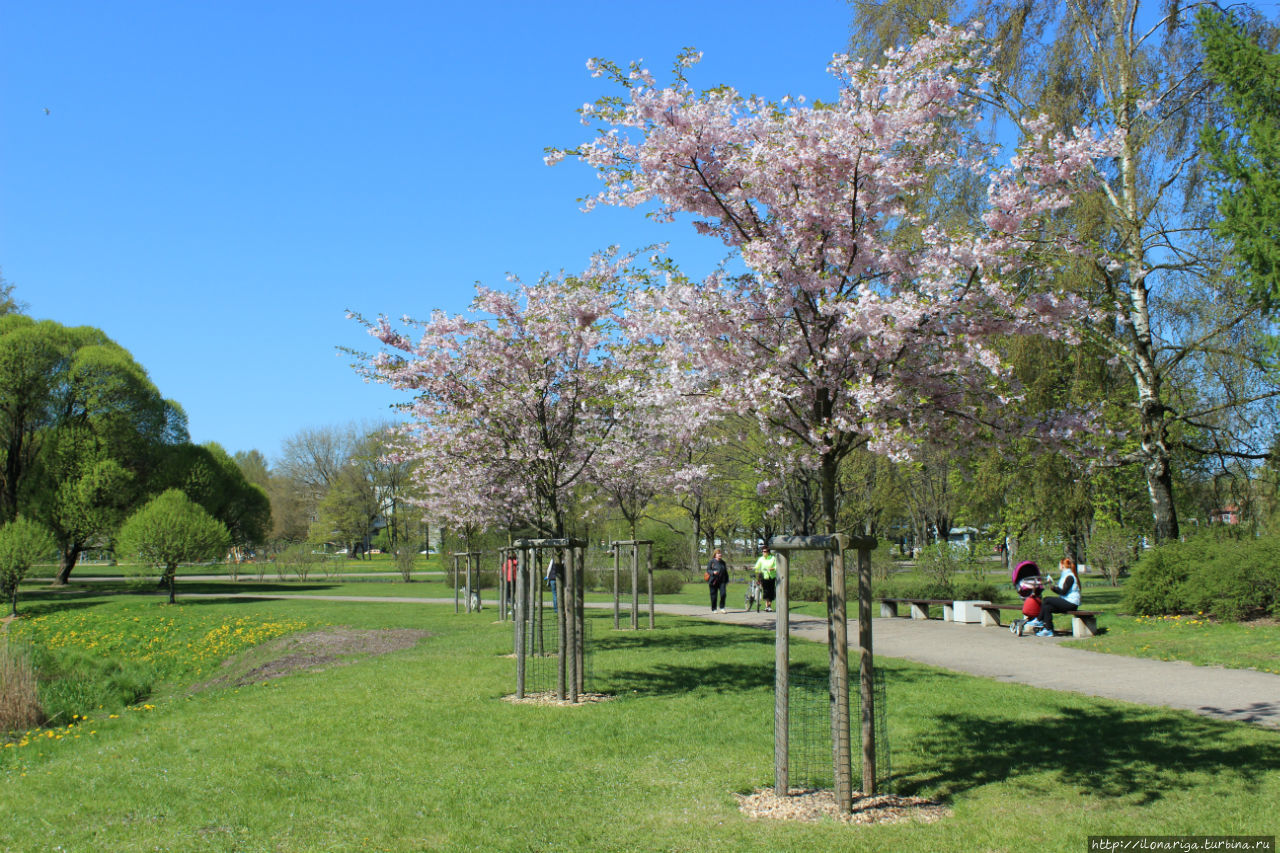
[
  {"x": 405, "y": 558},
  {"x": 1155, "y": 584},
  {"x": 1226, "y": 577},
  {"x": 665, "y": 582},
  {"x": 22, "y": 542},
  {"x": 882, "y": 563},
  {"x": 299, "y": 560},
  {"x": 940, "y": 562},
  {"x": 1111, "y": 550},
  {"x": 960, "y": 590},
  {"x": 19, "y": 693},
  {"x": 810, "y": 589},
  {"x": 1232, "y": 580}
]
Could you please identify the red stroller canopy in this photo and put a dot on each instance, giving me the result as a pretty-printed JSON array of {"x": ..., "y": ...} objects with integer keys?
[{"x": 1026, "y": 568}]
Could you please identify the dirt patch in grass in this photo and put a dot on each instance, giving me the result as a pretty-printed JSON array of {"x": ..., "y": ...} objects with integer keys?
[
  {"x": 310, "y": 652},
  {"x": 549, "y": 698},
  {"x": 816, "y": 805}
]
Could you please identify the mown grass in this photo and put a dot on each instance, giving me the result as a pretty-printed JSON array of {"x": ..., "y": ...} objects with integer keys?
[{"x": 417, "y": 751}]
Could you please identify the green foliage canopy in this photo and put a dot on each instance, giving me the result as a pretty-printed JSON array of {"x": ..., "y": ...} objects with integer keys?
[
  {"x": 173, "y": 529},
  {"x": 22, "y": 543},
  {"x": 1244, "y": 153}
]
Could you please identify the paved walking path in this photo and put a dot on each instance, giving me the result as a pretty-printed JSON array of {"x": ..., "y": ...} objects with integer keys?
[{"x": 1213, "y": 691}]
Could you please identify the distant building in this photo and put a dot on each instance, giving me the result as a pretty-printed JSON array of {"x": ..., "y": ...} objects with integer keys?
[{"x": 1229, "y": 514}]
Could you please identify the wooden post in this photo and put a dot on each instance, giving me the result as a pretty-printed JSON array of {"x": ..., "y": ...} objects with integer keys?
[
  {"x": 535, "y": 579},
  {"x": 569, "y": 601},
  {"x": 455, "y": 583},
  {"x": 470, "y": 583},
  {"x": 521, "y": 617},
  {"x": 782, "y": 681},
  {"x": 838, "y": 646},
  {"x": 649, "y": 566},
  {"x": 579, "y": 620},
  {"x": 616, "y": 591},
  {"x": 635, "y": 586},
  {"x": 866, "y": 670},
  {"x": 506, "y": 592},
  {"x": 562, "y": 633}
]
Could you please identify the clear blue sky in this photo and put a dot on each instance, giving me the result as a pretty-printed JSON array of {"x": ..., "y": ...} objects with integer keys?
[{"x": 215, "y": 181}]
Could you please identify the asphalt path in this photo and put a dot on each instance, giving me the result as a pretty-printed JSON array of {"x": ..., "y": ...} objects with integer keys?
[{"x": 1212, "y": 691}]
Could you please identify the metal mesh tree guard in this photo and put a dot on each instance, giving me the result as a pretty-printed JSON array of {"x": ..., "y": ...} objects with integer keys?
[
  {"x": 809, "y": 716},
  {"x": 567, "y": 616},
  {"x": 542, "y": 664},
  {"x": 832, "y": 548}
]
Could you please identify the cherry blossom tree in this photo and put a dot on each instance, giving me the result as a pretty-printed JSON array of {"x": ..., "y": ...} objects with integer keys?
[
  {"x": 861, "y": 319},
  {"x": 510, "y": 405}
]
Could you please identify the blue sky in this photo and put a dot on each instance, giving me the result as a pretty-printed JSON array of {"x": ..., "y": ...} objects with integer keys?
[{"x": 214, "y": 183}]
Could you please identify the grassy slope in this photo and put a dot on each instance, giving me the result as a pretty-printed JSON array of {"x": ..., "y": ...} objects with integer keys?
[{"x": 416, "y": 751}]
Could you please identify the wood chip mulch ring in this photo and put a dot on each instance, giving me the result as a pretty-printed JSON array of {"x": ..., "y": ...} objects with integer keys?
[
  {"x": 808, "y": 804},
  {"x": 548, "y": 697}
]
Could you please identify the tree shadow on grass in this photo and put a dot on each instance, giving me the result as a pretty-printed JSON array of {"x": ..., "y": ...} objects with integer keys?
[
  {"x": 265, "y": 588},
  {"x": 677, "y": 642},
  {"x": 1135, "y": 753},
  {"x": 677, "y": 679}
]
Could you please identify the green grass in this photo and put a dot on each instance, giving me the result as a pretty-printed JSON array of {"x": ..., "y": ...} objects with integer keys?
[
  {"x": 1240, "y": 646},
  {"x": 416, "y": 751}
]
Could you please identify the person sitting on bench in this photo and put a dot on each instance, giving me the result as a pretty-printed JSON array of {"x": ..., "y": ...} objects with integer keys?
[{"x": 1066, "y": 600}]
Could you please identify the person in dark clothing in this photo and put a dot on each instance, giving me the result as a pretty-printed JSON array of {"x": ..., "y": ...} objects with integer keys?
[
  {"x": 718, "y": 580},
  {"x": 555, "y": 579}
]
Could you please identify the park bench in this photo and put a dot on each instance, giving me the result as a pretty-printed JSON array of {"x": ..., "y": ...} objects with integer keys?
[
  {"x": 919, "y": 607},
  {"x": 1084, "y": 623}
]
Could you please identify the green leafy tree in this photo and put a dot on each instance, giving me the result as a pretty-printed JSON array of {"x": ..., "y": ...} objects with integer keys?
[
  {"x": 347, "y": 511},
  {"x": 22, "y": 543},
  {"x": 172, "y": 529},
  {"x": 1244, "y": 150},
  {"x": 212, "y": 478},
  {"x": 8, "y": 304},
  {"x": 81, "y": 430}
]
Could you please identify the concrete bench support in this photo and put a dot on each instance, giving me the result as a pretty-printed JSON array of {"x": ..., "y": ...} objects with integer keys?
[{"x": 1084, "y": 625}]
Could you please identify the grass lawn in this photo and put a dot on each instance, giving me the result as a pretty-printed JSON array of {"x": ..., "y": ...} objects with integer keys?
[
  {"x": 415, "y": 750},
  {"x": 1194, "y": 639}
]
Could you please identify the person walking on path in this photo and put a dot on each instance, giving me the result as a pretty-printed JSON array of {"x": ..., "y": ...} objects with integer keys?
[
  {"x": 1066, "y": 600},
  {"x": 717, "y": 580},
  {"x": 509, "y": 567},
  {"x": 555, "y": 580},
  {"x": 767, "y": 569}
]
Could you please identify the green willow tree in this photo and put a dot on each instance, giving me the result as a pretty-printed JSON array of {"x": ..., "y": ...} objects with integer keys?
[
  {"x": 211, "y": 477},
  {"x": 169, "y": 530},
  {"x": 82, "y": 429}
]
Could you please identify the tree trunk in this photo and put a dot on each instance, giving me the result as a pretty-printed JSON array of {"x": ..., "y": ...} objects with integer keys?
[{"x": 67, "y": 558}]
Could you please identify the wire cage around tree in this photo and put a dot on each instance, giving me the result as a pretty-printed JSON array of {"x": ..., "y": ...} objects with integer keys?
[
  {"x": 809, "y": 735},
  {"x": 542, "y": 660}
]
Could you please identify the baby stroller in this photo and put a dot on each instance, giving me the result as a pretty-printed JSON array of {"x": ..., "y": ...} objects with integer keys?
[
  {"x": 1029, "y": 584},
  {"x": 755, "y": 592}
]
